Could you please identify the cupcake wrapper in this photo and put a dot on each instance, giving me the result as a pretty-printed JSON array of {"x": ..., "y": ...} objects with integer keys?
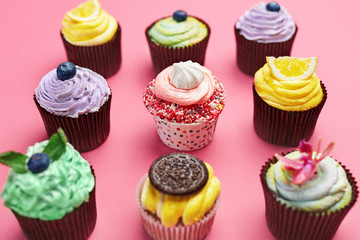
[
  {"x": 156, "y": 230},
  {"x": 284, "y": 128},
  {"x": 163, "y": 56},
  {"x": 251, "y": 55},
  {"x": 86, "y": 132},
  {"x": 76, "y": 225},
  {"x": 105, "y": 59},
  {"x": 185, "y": 137},
  {"x": 291, "y": 224}
]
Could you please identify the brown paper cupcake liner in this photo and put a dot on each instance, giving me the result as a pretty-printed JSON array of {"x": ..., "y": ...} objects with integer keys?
[
  {"x": 86, "y": 132},
  {"x": 104, "y": 59},
  {"x": 76, "y": 225},
  {"x": 284, "y": 128},
  {"x": 251, "y": 55},
  {"x": 292, "y": 224},
  {"x": 163, "y": 56},
  {"x": 156, "y": 230}
]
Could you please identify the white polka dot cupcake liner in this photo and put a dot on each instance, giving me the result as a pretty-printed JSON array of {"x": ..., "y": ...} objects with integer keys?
[{"x": 185, "y": 137}]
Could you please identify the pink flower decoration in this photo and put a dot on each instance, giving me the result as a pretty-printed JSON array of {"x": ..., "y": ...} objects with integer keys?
[{"x": 305, "y": 166}]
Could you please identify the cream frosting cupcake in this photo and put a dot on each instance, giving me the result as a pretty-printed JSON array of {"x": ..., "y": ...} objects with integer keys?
[{"x": 306, "y": 186}]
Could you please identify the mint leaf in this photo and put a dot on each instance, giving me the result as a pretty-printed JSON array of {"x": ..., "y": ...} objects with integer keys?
[
  {"x": 15, "y": 160},
  {"x": 56, "y": 145}
]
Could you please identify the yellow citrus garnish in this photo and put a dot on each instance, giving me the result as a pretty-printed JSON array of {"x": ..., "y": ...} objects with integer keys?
[
  {"x": 292, "y": 68},
  {"x": 86, "y": 11}
]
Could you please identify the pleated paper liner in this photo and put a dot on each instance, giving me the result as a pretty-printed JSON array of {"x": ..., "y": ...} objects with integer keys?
[
  {"x": 86, "y": 132},
  {"x": 185, "y": 137},
  {"x": 76, "y": 225},
  {"x": 163, "y": 56},
  {"x": 156, "y": 230},
  {"x": 285, "y": 128},
  {"x": 104, "y": 59},
  {"x": 251, "y": 55},
  {"x": 291, "y": 224}
]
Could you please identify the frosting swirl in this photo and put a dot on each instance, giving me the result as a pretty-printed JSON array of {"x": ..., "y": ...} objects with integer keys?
[
  {"x": 95, "y": 31},
  {"x": 291, "y": 95},
  {"x": 265, "y": 26},
  {"x": 169, "y": 32},
  {"x": 190, "y": 208},
  {"x": 328, "y": 190},
  {"x": 86, "y": 92},
  {"x": 50, "y": 195},
  {"x": 181, "y": 84}
]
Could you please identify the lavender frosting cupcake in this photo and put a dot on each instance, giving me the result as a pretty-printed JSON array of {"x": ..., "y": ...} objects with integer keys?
[
  {"x": 77, "y": 100},
  {"x": 264, "y": 30}
]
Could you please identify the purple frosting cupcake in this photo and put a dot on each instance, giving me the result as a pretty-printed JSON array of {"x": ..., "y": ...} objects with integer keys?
[
  {"x": 77, "y": 100},
  {"x": 264, "y": 30}
]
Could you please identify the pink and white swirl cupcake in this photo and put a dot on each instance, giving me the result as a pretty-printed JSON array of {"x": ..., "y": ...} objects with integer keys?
[
  {"x": 186, "y": 100},
  {"x": 77, "y": 100},
  {"x": 264, "y": 30}
]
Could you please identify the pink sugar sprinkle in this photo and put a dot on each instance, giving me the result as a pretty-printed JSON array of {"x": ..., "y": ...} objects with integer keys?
[{"x": 205, "y": 112}]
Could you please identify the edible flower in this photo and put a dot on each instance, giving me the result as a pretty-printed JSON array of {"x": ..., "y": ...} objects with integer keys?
[{"x": 304, "y": 167}]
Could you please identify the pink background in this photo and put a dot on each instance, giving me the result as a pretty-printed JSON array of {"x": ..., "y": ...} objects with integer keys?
[{"x": 31, "y": 46}]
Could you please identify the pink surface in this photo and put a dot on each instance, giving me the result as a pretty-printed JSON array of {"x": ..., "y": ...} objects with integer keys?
[{"x": 31, "y": 46}]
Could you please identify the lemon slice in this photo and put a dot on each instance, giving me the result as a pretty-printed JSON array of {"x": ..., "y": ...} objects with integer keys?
[
  {"x": 292, "y": 68},
  {"x": 86, "y": 11}
]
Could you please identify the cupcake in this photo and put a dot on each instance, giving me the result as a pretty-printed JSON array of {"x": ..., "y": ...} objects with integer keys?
[
  {"x": 288, "y": 98},
  {"x": 92, "y": 38},
  {"x": 51, "y": 190},
  {"x": 77, "y": 100},
  {"x": 265, "y": 30},
  {"x": 307, "y": 193},
  {"x": 177, "y": 38},
  {"x": 178, "y": 198},
  {"x": 185, "y": 100}
]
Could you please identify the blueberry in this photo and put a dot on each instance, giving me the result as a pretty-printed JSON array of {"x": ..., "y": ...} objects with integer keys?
[
  {"x": 273, "y": 7},
  {"x": 65, "y": 71},
  {"x": 38, "y": 162},
  {"x": 180, "y": 15}
]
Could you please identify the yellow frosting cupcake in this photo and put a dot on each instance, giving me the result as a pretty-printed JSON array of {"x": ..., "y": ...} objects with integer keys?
[{"x": 88, "y": 25}]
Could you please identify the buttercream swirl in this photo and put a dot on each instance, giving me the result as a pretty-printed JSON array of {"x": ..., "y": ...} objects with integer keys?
[
  {"x": 86, "y": 92},
  {"x": 328, "y": 190},
  {"x": 188, "y": 208},
  {"x": 291, "y": 95},
  {"x": 169, "y": 32},
  {"x": 96, "y": 31},
  {"x": 51, "y": 194},
  {"x": 181, "y": 84},
  {"x": 265, "y": 26}
]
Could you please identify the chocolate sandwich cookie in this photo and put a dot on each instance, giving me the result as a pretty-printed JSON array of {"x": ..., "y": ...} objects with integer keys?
[{"x": 178, "y": 174}]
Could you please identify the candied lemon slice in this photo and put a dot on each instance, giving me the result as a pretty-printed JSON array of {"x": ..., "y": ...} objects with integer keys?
[
  {"x": 292, "y": 68},
  {"x": 86, "y": 11}
]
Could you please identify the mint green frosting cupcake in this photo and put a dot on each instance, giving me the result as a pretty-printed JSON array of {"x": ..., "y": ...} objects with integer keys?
[
  {"x": 51, "y": 194},
  {"x": 171, "y": 33},
  {"x": 328, "y": 190}
]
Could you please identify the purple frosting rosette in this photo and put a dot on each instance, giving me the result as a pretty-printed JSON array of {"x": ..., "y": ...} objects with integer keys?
[{"x": 79, "y": 105}]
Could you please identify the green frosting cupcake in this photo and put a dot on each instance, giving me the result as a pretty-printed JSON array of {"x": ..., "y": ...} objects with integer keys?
[
  {"x": 52, "y": 193},
  {"x": 325, "y": 189},
  {"x": 171, "y": 33}
]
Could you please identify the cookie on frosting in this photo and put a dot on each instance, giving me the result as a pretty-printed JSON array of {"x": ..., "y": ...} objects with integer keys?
[
  {"x": 178, "y": 174},
  {"x": 179, "y": 197}
]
